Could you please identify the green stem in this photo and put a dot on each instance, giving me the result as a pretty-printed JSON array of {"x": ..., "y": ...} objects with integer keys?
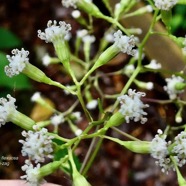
[
  {"x": 125, "y": 134},
  {"x": 129, "y": 82},
  {"x": 93, "y": 142},
  {"x": 58, "y": 137},
  {"x": 78, "y": 139},
  {"x": 89, "y": 163},
  {"x": 79, "y": 95},
  {"x": 57, "y": 84},
  {"x": 137, "y": 70},
  {"x": 141, "y": 46}
]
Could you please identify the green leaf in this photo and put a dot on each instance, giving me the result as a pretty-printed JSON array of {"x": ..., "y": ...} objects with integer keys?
[
  {"x": 18, "y": 82},
  {"x": 8, "y": 39},
  {"x": 61, "y": 153},
  {"x": 166, "y": 18}
]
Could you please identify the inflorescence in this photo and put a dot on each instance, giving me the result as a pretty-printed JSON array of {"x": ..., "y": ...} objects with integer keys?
[
  {"x": 37, "y": 145},
  {"x": 125, "y": 43},
  {"x": 18, "y": 62},
  {"x": 164, "y": 151},
  {"x": 170, "y": 88},
  {"x": 132, "y": 106},
  {"x": 165, "y": 4},
  {"x": 7, "y": 106},
  {"x": 55, "y": 33}
]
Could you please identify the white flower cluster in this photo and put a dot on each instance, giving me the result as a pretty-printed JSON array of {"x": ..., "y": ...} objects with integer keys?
[
  {"x": 180, "y": 148},
  {"x": 165, "y": 4},
  {"x": 129, "y": 69},
  {"x": 32, "y": 174},
  {"x": 18, "y": 61},
  {"x": 6, "y": 108},
  {"x": 125, "y": 43},
  {"x": 132, "y": 107},
  {"x": 81, "y": 33},
  {"x": 153, "y": 65},
  {"x": 92, "y": 104},
  {"x": 89, "y": 39},
  {"x": 160, "y": 152},
  {"x": 171, "y": 86},
  {"x": 54, "y": 33},
  {"x": 76, "y": 14},
  {"x": 109, "y": 35},
  {"x": 57, "y": 119},
  {"x": 37, "y": 145},
  {"x": 77, "y": 116},
  {"x": 69, "y": 3},
  {"x": 46, "y": 60}
]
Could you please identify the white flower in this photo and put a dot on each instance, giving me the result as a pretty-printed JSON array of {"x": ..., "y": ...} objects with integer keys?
[
  {"x": 76, "y": 14},
  {"x": 32, "y": 174},
  {"x": 69, "y": 3},
  {"x": 129, "y": 69},
  {"x": 36, "y": 96},
  {"x": 153, "y": 65},
  {"x": 6, "y": 108},
  {"x": 81, "y": 33},
  {"x": 108, "y": 36},
  {"x": 132, "y": 107},
  {"x": 180, "y": 148},
  {"x": 37, "y": 145},
  {"x": 171, "y": 86},
  {"x": 149, "y": 85},
  {"x": 46, "y": 60},
  {"x": 92, "y": 104},
  {"x": 166, "y": 164},
  {"x": 159, "y": 146},
  {"x": 54, "y": 33},
  {"x": 159, "y": 151},
  {"x": 125, "y": 43},
  {"x": 165, "y": 4},
  {"x": 149, "y": 8},
  {"x": 136, "y": 55},
  {"x": 78, "y": 132},
  {"x": 88, "y": 39},
  {"x": 77, "y": 116},
  {"x": 18, "y": 61},
  {"x": 57, "y": 119}
]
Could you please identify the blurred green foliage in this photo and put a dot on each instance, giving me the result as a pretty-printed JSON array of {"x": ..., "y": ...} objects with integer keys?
[
  {"x": 61, "y": 153},
  {"x": 8, "y": 40},
  {"x": 178, "y": 19}
]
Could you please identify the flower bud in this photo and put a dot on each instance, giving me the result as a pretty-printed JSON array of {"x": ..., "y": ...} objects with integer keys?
[
  {"x": 145, "y": 85},
  {"x": 180, "y": 86},
  {"x": 142, "y": 147},
  {"x": 120, "y": 7},
  {"x": 140, "y": 11},
  {"x": 106, "y": 56},
  {"x": 79, "y": 180},
  {"x": 90, "y": 8},
  {"x": 22, "y": 120},
  {"x": 115, "y": 120},
  {"x": 49, "y": 168}
]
